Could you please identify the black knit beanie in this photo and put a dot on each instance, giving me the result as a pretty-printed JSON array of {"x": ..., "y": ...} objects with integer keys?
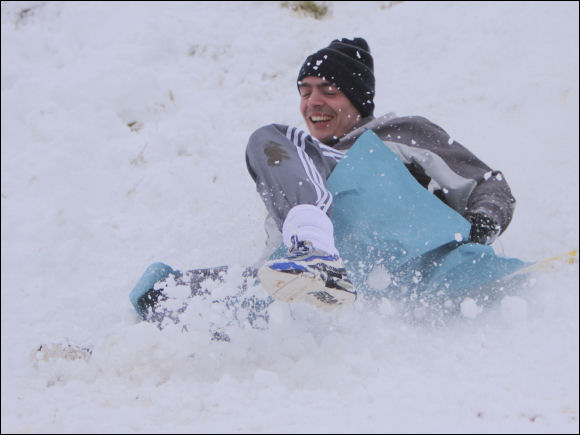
[{"x": 349, "y": 65}]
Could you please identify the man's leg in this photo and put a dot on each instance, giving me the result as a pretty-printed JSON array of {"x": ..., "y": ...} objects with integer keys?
[{"x": 290, "y": 170}]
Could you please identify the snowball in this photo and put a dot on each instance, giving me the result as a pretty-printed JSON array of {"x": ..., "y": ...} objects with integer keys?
[
  {"x": 470, "y": 309},
  {"x": 379, "y": 278}
]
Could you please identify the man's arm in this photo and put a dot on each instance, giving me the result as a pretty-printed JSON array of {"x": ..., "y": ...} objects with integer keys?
[{"x": 452, "y": 172}]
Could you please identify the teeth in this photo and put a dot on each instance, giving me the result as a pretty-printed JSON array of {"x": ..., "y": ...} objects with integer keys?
[{"x": 320, "y": 118}]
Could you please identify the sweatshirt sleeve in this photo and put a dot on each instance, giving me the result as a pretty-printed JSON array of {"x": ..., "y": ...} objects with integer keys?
[{"x": 448, "y": 169}]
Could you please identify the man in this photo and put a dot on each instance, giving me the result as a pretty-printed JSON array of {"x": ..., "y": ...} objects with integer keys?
[{"x": 290, "y": 168}]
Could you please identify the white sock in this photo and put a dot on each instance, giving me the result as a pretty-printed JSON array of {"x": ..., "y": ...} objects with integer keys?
[{"x": 309, "y": 223}]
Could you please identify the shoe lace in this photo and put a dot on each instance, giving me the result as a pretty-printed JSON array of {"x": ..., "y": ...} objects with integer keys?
[{"x": 299, "y": 247}]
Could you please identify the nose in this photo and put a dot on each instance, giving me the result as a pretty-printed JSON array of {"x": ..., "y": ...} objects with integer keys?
[{"x": 315, "y": 99}]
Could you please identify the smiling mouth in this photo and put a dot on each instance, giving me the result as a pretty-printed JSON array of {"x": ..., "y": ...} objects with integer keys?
[{"x": 320, "y": 118}]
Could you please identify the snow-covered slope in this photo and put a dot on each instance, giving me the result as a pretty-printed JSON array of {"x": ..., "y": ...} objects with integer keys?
[{"x": 124, "y": 128}]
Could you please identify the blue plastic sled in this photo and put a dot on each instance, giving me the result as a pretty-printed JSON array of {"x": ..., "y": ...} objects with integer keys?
[{"x": 383, "y": 216}]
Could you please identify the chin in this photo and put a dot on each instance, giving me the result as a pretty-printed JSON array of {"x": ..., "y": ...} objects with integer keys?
[
  {"x": 327, "y": 140},
  {"x": 322, "y": 136}
]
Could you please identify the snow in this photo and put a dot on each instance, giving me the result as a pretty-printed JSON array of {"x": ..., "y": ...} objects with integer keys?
[{"x": 124, "y": 128}]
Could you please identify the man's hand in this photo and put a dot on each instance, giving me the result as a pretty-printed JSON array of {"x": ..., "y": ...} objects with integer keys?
[{"x": 483, "y": 229}]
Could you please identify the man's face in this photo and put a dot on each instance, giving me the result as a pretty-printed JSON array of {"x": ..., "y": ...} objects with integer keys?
[{"x": 328, "y": 113}]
